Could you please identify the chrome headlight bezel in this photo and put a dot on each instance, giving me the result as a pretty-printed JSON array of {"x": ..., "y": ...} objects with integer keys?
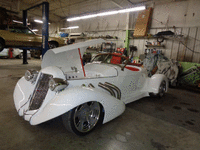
[
  {"x": 57, "y": 84},
  {"x": 31, "y": 75}
]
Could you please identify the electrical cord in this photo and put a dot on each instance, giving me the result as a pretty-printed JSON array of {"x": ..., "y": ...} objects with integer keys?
[{"x": 189, "y": 48}]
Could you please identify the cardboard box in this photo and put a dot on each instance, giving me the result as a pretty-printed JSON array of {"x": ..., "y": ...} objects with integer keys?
[{"x": 141, "y": 26}]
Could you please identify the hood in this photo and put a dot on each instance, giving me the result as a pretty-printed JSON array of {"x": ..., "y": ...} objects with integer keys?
[
  {"x": 67, "y": 57},
  {"x": 100, "y": 70}
]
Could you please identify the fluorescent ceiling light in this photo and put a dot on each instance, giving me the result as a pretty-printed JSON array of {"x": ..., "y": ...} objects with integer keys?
[
  {"x": 20, "y": 22},
  {"x": 72, "y": 27},
  {"x": 107, "y": 13},
  {"x": 34, "y": 30},
  {"x": 39, "y": 21}
]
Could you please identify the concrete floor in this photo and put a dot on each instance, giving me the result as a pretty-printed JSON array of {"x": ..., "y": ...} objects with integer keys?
[{"x": 170, "y": 123}]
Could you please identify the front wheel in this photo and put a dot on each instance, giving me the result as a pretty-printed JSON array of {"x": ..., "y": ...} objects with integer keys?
[{"x": 84, "y": 118}]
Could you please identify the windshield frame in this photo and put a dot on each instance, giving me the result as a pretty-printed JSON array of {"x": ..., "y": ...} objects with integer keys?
[{"x": 112, "y": 54}]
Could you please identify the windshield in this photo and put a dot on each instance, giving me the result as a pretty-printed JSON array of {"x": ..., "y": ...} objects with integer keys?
[
  {"x": 19, "y": 29},
  {"x": 109, "y": 58}
]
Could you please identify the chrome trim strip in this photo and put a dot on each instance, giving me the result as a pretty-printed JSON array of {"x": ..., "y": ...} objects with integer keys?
[{"x": 40, "y": 91}]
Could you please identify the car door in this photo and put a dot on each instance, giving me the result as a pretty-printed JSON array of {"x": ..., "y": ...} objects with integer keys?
[
  {"x": 23, "y": 37},
  {"x": 131, "y": 82},
  {"x": 9, "y": 36}
]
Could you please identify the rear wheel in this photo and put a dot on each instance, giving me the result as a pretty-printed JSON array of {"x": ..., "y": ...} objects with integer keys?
[
  {"x": 84, "y": 118},
  {"x": 2, "y": 45},
  {"x": 162, "y": 89},
  {"x": 52, "y": 45}
]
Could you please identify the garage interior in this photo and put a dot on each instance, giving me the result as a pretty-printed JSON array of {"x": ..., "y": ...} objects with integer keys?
[{"x": 170, "y": 122}]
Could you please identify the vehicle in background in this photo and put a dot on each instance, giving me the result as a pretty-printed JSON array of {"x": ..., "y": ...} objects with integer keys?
[
  {"x": 159, "y": 64},
  {"x": 21, "y": 36},
  {"x": 17, "y": 53},
  {"x": 190, "y": 76},
  {"x": 74, "y": 38}
]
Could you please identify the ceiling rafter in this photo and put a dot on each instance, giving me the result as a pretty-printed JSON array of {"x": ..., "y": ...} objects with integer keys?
[{"x": 74, "y": 4}]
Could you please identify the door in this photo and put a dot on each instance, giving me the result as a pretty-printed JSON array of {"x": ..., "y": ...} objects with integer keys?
[
  {"x": 22, "y": 36},
  {"x": 131, "y": 82}
]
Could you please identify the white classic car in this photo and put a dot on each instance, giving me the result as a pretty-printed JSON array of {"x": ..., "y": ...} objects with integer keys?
[{"x": 85, "y": 96}]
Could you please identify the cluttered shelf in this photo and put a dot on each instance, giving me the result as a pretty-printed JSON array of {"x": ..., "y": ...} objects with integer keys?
[
  {"x": 143, "y": 37},
  {"x": 155, "y": 46}
]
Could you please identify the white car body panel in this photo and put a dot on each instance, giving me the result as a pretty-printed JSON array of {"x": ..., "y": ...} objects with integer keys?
[
  {"x": 60, "y": 63},
  {"x": 67, "y": 56}
]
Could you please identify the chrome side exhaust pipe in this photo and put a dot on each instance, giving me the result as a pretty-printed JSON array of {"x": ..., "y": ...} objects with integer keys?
[
  {"x": 118, "y": 91},
  {"x": 107, "y": 89},
  {"x": 91, "y": 85}
]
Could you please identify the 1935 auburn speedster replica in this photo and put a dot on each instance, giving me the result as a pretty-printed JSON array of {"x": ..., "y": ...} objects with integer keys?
[{"x": 84, "y": 96}]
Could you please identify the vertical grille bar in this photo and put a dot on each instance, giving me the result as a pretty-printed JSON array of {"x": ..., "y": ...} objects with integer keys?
[{"x": 40, "y": 92}]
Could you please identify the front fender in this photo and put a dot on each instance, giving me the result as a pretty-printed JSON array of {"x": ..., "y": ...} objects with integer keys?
[
  {"x": 155, "y": 81},
  {"x": 73, "y": 97}
]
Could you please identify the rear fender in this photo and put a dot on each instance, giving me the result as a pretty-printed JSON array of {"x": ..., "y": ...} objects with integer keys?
[
  {"x": 73, "y": 97},
  {"x": 155, "y": 81}
]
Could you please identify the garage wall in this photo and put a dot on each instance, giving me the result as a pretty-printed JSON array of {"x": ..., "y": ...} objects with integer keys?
[
  {"x": 181, "y": 18},
  {"x": 111, "y": 25}
]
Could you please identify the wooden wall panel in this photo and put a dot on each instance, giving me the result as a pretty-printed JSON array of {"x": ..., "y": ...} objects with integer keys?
[
  {"x": 182, "y": 48},
  {"x": 168, "y": 46},
  {"x": 196, "y": 56},
  {"x": 174, "y": 49},
  {"x": 190, "y": 45}
]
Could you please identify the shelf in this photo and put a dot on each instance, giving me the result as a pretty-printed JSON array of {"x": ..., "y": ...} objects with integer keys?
[
  {"x": 163, "y": 46},
  {"x": 143, "y": 37}
]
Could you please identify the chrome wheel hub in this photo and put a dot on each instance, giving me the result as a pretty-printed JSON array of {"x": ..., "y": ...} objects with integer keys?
[{"x": 86, "y": 116}]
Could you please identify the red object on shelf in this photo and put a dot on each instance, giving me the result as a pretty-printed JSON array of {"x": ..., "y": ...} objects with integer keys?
[{"x": 121, "y": 50}]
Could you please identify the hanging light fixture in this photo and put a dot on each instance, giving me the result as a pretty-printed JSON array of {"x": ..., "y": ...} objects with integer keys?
[
  {"x": 39, "y": 21},
  {"x": 72, "y": 27},
  {"x": 107, "y": 13}
]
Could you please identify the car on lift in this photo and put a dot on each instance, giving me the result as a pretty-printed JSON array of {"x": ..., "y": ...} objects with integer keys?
[
  {"x": 85, "y": 96},
  {"x": 21, "y": 36}
]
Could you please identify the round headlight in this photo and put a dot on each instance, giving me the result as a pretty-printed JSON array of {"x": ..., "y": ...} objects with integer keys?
[
  {"x": 52, "y": 84},
  {"x": 57, "y": 84},
  {"x": 28, "y": 75}
]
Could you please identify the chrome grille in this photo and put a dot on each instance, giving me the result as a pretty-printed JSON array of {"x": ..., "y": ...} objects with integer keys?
[{"x": 40, "y": 92}]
